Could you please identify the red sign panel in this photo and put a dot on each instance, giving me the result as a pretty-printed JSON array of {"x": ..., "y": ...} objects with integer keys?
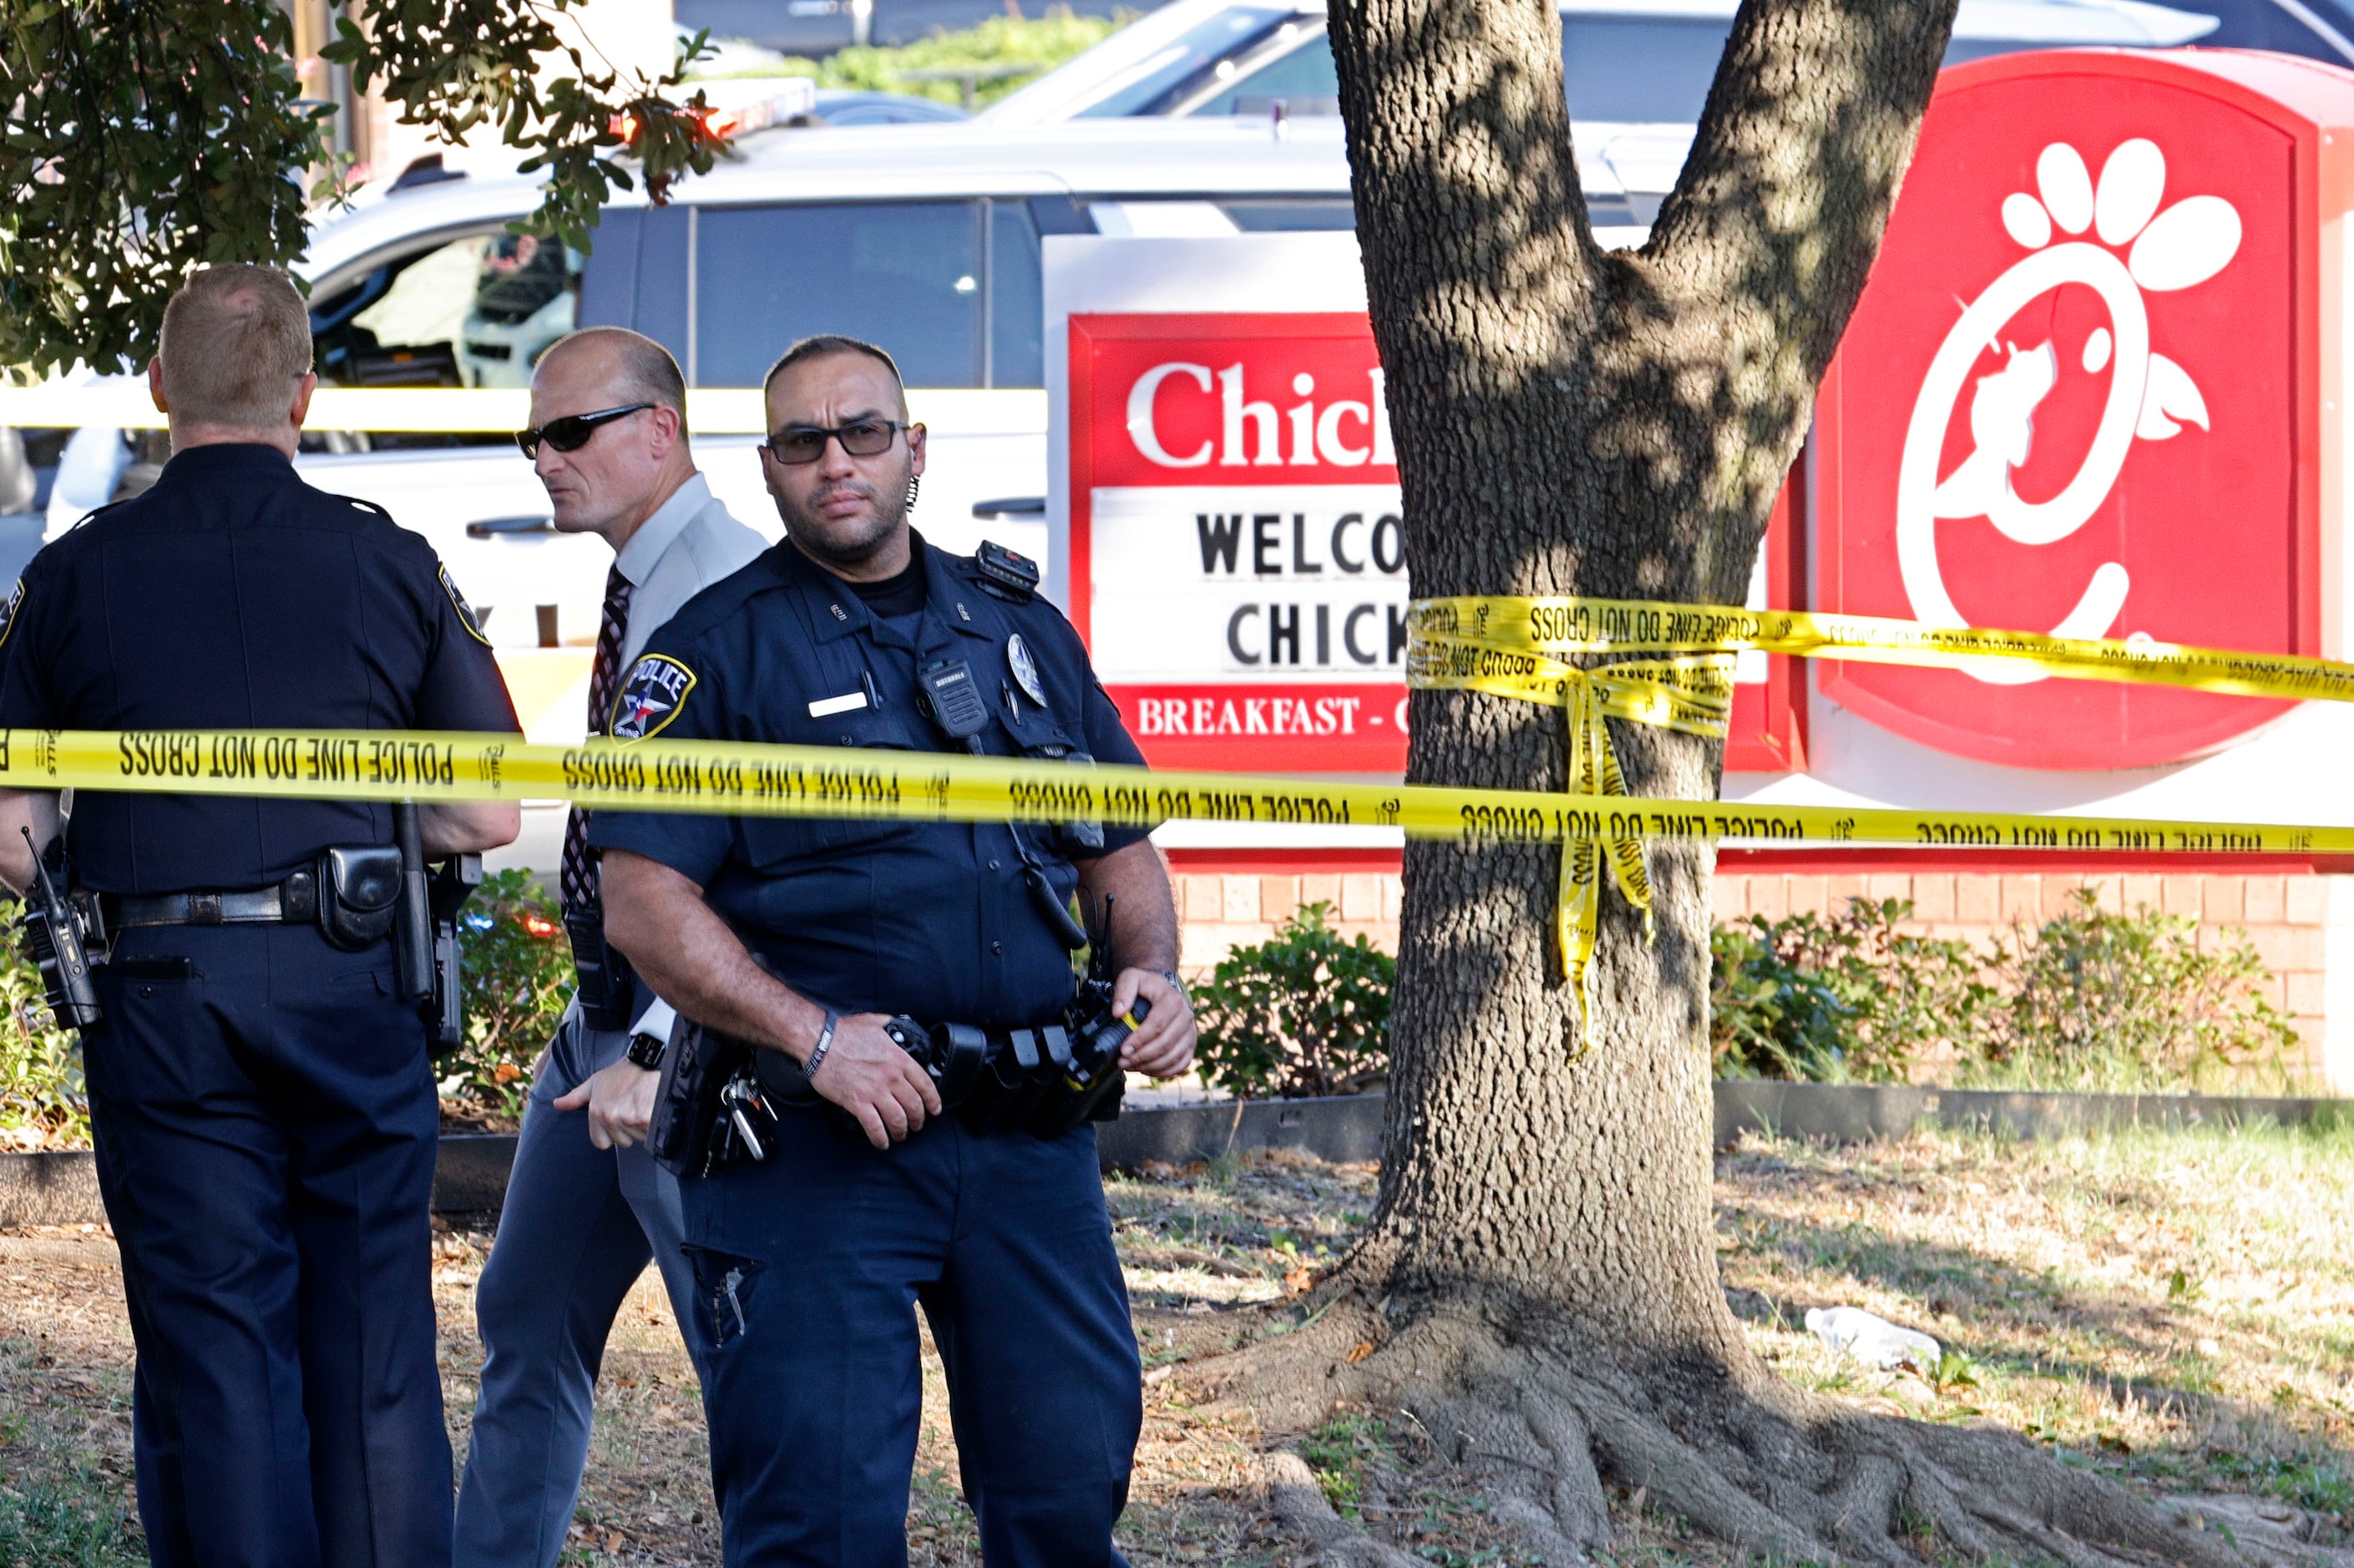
[
  {"x": 2081, "y": 394},
  {"x": 1235, "y": 556},
  {"x": 1237, "y": 562}
]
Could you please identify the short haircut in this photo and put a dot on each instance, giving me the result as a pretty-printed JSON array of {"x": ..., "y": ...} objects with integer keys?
[
  {"x": 826, "y": 343},
  {"x": 648, "y": 374},
  {"x": 236, "y": 340}
]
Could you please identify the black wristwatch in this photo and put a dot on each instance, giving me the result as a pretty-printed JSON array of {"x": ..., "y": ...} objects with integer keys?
[{"x": 646, "y": 1051}]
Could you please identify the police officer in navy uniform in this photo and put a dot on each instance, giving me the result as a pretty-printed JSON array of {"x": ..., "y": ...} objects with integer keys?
[
  {"x": 809, "y": 1264},
  {"x": 263, "y": 1099}
]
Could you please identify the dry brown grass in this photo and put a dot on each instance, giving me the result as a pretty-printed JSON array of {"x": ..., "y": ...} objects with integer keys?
[{"x": 2177, "y": 1309}]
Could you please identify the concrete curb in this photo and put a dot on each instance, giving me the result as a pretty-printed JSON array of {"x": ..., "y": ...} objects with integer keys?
[
  {"x": 471, "y": 1173},
  {"x": 1342, "y": 1127},
  {"x": 1855, "y": 1113}
]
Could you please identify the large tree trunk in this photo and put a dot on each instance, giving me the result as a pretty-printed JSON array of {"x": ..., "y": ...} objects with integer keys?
[
  {"x": 1539, "y": 1286},
  {"x": 1571, "y": 421}
]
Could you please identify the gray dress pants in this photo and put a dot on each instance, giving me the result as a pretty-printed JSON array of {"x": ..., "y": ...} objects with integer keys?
[{"x": 577, "y": 1229}]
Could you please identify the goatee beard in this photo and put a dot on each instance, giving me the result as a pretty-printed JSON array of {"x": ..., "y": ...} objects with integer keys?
[{"x": 890, "y": 518}]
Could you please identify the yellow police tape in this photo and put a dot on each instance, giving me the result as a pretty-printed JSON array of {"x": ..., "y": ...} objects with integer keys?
[
  {"x": 745, "y": 779},
  {"x": 1511, "y": 647},
  {"x": 1519, "y": 647}
]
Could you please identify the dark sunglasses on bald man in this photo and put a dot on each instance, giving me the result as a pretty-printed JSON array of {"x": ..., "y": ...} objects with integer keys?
[
  {"x": 570, "y": 433},
  {"x": 797, "y": 444}
]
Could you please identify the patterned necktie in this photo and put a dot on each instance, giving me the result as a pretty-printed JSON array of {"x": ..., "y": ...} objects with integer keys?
[{"x": 577, "y": 878}]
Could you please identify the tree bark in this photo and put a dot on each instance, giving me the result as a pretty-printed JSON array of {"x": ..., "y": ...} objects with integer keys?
[{"x": 1574, "y": 422}]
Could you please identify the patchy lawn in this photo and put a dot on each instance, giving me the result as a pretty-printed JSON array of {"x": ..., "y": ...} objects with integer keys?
[{"x": 2177, "y": 1309}]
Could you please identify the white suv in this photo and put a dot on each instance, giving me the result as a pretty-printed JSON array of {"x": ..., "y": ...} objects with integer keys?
[{"x": 925, "y": 239}]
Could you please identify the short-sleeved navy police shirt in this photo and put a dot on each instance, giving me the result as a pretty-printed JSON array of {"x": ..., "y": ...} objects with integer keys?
[
  {"x": 929, "y": 919},
  {"x": 233, "y": 596}
]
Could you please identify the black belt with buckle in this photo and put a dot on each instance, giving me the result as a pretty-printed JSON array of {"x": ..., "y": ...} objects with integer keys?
[{"x": 294, "y": 901}]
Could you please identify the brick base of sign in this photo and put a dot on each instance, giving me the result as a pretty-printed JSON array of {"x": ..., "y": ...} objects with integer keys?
[
  {"x": 2301, "y": 924},
  {"x": 1219, "y": 911}
]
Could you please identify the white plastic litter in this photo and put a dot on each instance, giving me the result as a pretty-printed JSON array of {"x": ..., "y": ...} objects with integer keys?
[{"x": 1874, "y": 1339}]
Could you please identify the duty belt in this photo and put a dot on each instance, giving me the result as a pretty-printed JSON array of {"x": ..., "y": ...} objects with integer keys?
[{"x": 294, "y": 901}]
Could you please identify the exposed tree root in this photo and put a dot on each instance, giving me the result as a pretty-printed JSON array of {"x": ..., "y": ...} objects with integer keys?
[
  {"x": 1301, "y": 1507},
  {"x": 1735, "y": 1452}
]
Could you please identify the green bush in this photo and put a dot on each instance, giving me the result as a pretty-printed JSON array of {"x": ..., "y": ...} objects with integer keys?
[
  {"x": 42, "y": 1102},
  {"x": 1848, "y": 999},
  {"x": 1306, "y": 1014},
  {"x": 518, "y": 969},
  {"x": 2088, "y": 1001},
  {"x": 1022, "y": 48},
  {"x": 2127, "y": 1003}
]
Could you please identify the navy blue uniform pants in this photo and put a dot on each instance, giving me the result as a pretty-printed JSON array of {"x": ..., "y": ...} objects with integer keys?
[
  {"x": 579, "y": 1226},
  {"x": 265, "y": 1118},
  {"x": 809, "y": 1268}
]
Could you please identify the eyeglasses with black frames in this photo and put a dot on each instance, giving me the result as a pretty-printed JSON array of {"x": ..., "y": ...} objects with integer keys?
[
  {"x": 797, "y": 444},
  {"x": 570, "y": 433}
]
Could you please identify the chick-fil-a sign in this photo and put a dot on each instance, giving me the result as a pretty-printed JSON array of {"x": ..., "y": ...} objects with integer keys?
[
  {"x": 1236, "y": 555},
  {"x": 2083, "y": 393}
]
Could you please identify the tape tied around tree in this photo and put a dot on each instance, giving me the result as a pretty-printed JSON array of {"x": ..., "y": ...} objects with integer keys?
[
  {"x": 1515, "y": 646},
  {"x": 1692, "y": 693},
  {"x": 1484, "y": 632}
]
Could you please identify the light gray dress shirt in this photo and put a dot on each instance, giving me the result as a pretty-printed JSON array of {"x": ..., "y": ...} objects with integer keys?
[{"x": 691, "y": 541}]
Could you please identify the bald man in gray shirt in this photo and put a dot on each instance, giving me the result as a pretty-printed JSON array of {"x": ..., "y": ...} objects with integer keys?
[{"x": 587, "y": 1205}]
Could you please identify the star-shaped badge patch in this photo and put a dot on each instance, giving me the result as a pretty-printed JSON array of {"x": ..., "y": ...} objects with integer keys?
[{"x": 650, "y": 698}]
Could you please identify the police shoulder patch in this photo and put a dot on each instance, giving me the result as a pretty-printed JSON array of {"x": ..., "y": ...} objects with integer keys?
[
  {"x": 465, "y": 611},
  {"x": 651, "y": 697},
  {"x": 8, "y": 615}
]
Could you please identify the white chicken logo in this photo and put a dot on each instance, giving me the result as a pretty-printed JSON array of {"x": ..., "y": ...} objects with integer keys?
[{"x": 2150, "y": 397}]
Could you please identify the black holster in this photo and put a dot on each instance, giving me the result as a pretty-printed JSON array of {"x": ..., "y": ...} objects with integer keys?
[
  {"x": 600, "y": 974},
  {"x": 691, "y": 1133},
  {"x": 444, "y": 1009}
]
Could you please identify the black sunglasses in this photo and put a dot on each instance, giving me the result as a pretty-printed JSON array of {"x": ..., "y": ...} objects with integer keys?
[
  {"x": 570, "y": 433},
  {"x": 797, "y": 444}
]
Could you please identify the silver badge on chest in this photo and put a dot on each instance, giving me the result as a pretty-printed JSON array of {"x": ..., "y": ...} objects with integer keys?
[{"x": 1025, "y": 669}]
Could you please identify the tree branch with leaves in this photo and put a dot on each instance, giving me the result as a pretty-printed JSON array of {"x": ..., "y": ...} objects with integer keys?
[{"x": 143, "y": 139}]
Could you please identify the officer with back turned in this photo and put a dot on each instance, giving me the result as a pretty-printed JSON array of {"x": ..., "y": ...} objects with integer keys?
[
  {"x": 805, "y": 938},
  {"x": 260, "y": 1088}
]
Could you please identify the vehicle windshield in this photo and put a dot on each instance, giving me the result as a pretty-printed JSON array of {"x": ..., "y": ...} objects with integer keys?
[
  {"x": 1144, "y": 87},
  {"x": 1651, "y": 69},
  {"x": 1614, "y": 68}
]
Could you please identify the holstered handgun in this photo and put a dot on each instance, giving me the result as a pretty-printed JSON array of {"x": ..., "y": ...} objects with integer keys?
[
  {"x": 426, "y": 958},
  {"x": 709, "y": 1108},
  {"x": 454, "y": 881},
  {"x": 59, "y": 933}
]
